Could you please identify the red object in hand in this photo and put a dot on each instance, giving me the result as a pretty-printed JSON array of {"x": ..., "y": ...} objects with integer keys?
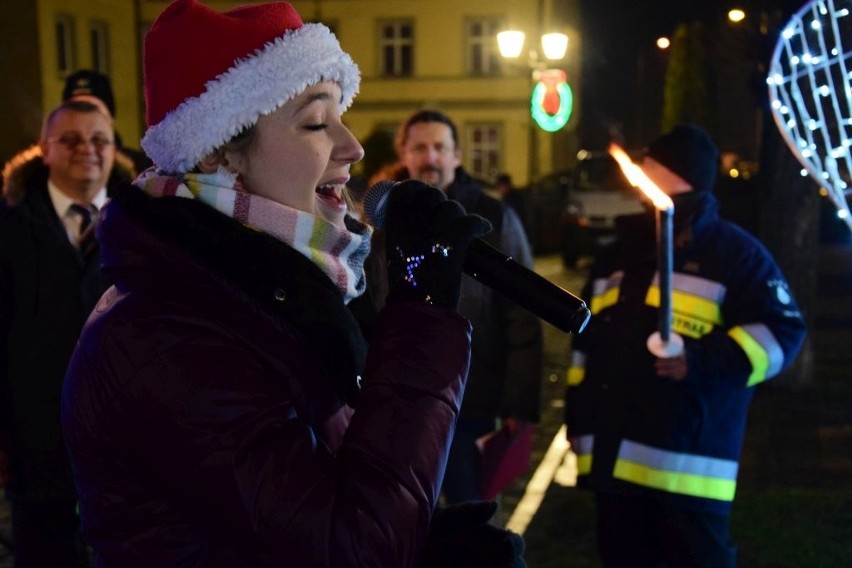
[{"x": 505, "y": 456}]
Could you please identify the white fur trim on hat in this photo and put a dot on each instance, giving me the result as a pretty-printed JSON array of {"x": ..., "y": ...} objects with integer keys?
[{"x": 256, "y": 85}]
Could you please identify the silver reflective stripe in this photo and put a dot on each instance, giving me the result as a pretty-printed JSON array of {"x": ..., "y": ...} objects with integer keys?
[
  {"x": 582, "y": 445},
  {"x": 686, "y": 474},
  {"x": 601, "y": 285},
  {"x": 766, "y": 339},
  {"x": 675, "y": 461}
]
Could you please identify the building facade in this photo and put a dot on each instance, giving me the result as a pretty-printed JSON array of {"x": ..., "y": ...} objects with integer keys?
[{"x": 413, "y": 54}]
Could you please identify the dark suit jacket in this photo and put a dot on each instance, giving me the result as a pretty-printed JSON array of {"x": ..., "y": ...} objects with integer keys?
[{"x": 47, "y": 289}]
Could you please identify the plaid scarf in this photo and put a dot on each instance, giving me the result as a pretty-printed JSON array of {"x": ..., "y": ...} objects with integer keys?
[{"x": 340, "y": 253}]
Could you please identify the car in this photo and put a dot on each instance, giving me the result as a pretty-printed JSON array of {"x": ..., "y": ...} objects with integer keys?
[{"x": 597, "y": 193}]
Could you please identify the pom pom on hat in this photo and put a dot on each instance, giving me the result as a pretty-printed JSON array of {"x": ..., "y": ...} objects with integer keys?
[
  {"x": 209, "y": 74},
  {"x": 689, "y": 152}
]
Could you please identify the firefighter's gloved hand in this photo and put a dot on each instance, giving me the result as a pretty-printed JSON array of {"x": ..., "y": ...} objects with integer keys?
[{"x": 426, "y": 238}]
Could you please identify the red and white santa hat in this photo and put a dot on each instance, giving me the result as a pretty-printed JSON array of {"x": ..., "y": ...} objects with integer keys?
[{"x": 209, "y": 74}]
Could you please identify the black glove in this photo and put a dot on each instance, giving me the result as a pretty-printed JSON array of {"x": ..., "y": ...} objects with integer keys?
[
  {"x": 460, "y": 537},
  {"x": 426, "y": 238}
]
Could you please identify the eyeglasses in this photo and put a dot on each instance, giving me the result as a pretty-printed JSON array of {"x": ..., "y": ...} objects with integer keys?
[{"x": 72, "y": 141}]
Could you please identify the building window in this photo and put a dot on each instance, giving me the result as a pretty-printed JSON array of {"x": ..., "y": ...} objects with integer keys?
[
  {"x": 65, "y": 46},
  {"x": 482, "y": 148},
  {"x": 483, "y": 58},
  {"x": 99, "y": 42},
  {"x": 397, "y": 48}
]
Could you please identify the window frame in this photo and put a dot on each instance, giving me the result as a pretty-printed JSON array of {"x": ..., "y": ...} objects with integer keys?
[
  {"x": 99, "y": 44},
  {"x": 66, "y": 44},
  {"x": 483, "y": 159},
  {"x": 490, "y": 63},
  {"x": 401, "y": 47}
]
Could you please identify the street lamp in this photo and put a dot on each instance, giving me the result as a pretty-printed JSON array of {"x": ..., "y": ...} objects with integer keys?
[
  {"x": 551, "y": 100},
  {"x": 553, "y": 45},
  {"x": 736, "y": 15}
]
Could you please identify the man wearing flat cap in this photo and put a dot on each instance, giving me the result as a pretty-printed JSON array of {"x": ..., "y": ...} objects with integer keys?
[{"x": 658, "y": 439}]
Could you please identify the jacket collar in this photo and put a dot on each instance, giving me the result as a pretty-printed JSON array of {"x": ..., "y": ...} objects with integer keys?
[{"x": 173, "y": 237}]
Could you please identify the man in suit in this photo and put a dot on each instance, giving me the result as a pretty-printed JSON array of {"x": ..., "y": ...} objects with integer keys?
[{"x": 50, "y": 280}]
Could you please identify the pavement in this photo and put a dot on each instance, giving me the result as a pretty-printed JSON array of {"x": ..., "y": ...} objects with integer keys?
[{"x": 799, "y": 433}]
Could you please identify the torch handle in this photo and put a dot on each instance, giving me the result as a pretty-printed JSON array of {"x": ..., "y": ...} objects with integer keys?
[{"x": 664, "y": 264}]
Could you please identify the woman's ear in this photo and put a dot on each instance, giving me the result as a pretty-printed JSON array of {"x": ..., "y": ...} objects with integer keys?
[{"x": 210, "y": 163}]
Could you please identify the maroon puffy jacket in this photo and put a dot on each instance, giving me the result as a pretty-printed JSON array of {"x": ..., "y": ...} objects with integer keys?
[{"x": 212, "y": 408}]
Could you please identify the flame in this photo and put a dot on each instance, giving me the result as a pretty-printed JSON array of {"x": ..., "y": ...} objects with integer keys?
[{"x": 638, "y": 179}]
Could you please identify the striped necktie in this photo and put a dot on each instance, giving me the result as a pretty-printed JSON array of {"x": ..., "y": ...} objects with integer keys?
[{"x": 88, "y": 214}]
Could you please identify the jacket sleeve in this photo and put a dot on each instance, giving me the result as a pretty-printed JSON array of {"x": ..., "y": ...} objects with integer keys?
[
  {"x": 523, "y": 333},
  {"x": 576, "y": 371},
  {"x": 5, "y": 322},
  {"x": 762, "y": 331},
  {"x": 267, "y": 472}
]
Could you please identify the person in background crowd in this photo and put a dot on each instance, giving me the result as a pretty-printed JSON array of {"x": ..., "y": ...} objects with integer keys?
[
  {"x": 505, "y": 370},
  {"x": 658, "y": 438},
  {"x": 50, "y": 279},
  {"x": 505, "y": 190},
  {"x": 93, "y": 88},
  {"x": 222, "y": 407},
  {"x": 97, "y": 88}
]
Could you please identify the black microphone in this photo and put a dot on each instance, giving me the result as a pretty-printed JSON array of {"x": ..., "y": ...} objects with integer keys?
[{"x": 499, "y": 272}]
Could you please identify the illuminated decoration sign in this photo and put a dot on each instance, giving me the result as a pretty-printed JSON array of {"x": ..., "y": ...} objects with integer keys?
[
  {"x": 810, "y": 89},
  {"x": 552, "y": 100}
]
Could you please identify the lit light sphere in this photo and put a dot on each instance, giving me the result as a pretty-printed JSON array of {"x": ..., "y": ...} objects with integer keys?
[{"x": 810, "y": 89}]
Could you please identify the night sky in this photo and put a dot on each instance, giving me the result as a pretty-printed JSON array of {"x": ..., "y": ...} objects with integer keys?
[{"x": 619, "y": 55}]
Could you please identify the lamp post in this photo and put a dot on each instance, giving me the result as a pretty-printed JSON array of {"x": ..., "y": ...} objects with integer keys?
[{"x": 550, "y": 98}]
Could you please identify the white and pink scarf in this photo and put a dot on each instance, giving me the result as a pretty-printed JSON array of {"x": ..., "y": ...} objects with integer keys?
[{"x": 339, "y": 252}]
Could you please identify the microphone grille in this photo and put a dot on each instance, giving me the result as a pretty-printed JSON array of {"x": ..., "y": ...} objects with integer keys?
[{"x": 375, "y": 202}]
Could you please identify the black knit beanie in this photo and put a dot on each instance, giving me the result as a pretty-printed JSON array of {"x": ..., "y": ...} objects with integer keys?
[
  {"x": 689, "y": 152},
  {"x": 85, "y": 82}
]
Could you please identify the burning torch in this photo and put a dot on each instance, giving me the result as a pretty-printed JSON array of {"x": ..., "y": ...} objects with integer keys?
[{"x": 662, "y": 343}]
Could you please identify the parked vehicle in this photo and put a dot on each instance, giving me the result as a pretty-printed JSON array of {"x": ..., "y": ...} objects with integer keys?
[
  {"x": 543, "y": 204},
  {"x": 597, "y": 193}
]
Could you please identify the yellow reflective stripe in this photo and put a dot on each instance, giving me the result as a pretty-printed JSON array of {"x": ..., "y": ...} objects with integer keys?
[
  {"x": 605, "y": 291},
  {"x": 584, "y": 464},
  {"x": 652, "y": 298},
  {"x": 692, "y": 316},
  {"x": 697, "y": 307},
  {"x": 690, "y": 327},
  {"x": 577, "y": 369},
  {"x": 687, "y": 304},
  {"x": 575, "y": 376},
  {"x": 696, "y": 303},
  {"x": 606, "y": 299},
  {"x": 675, "y": 482},
  {"x": 582, "y": 446},
  {"x": 757, "y": 355}
]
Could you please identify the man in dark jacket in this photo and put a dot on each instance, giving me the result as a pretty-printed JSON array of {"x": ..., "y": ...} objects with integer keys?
[
  {"x": 658, "y": 438},
  {"x": 505, "y": 369},
  {"x": 50, "y": 279}
]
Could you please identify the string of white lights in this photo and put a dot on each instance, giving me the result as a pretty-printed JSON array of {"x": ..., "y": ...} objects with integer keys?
[{"x": 810, "y": 90}]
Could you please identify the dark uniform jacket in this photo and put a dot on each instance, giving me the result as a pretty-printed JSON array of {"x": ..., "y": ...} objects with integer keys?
[
  {"x": 208, "y": 407},
  {"x": 47, "y": 289},
  {"x": 678, "y": 441}
]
